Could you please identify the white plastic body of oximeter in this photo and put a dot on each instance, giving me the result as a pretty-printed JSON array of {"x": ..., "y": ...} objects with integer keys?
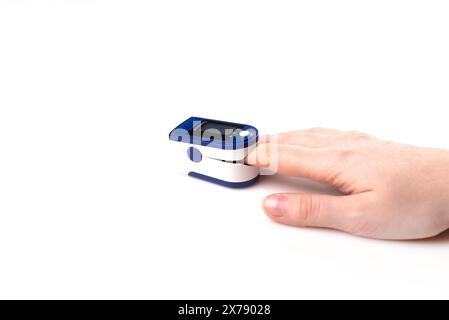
[{"x": 215, "y": 151}]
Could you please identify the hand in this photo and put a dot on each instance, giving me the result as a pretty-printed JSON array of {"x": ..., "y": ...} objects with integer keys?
[{"x": 390, "y": 190}]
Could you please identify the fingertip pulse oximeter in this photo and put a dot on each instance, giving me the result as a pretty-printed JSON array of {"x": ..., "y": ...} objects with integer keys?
[{"x": 215, "y": 151}]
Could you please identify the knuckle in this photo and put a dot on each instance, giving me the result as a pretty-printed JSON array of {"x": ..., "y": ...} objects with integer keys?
[
  {"x": 342, "y": 154},
  {"x": 309, "y": 208}
]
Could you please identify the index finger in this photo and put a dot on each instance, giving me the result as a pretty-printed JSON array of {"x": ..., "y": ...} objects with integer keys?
[{"x": 293, "y": 160}]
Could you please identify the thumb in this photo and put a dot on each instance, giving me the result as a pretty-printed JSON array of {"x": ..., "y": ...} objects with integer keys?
[{"x": 312, "y": 210}]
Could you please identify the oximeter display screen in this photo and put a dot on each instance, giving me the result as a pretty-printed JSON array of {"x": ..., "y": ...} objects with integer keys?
[
  {"x": 212, "y": 128},
  {"x": 215, "y": 134}
]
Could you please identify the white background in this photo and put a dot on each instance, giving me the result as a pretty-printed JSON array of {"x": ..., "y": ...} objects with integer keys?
[{"x": 89, "y": 90}]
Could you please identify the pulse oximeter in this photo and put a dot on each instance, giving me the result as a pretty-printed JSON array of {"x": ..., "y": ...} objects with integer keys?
[{"x": 215, "y": 151}]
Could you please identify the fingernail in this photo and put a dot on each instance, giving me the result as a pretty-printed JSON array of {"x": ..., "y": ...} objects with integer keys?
[{"x": 274, "y": 205}]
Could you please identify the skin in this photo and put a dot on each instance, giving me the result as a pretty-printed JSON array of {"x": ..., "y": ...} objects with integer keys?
[{"x": 389, "y": 190}]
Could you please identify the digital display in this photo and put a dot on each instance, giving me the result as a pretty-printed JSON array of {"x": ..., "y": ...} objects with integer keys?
[
  {"x": 215, "y": 133},
  {"x": 212, "y": 129}
]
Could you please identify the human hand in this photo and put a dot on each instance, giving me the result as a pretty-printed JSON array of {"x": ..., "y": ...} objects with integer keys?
[{"x": 390, "y": 190}]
